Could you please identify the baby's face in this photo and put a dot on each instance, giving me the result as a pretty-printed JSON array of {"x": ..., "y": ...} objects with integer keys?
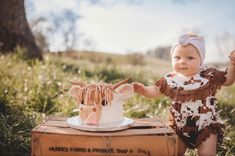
[{"x": 186, "y": 60}]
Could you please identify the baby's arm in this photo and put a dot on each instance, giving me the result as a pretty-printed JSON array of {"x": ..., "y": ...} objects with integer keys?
[
  {"x": 147, "y": 91},
  {"x": 230, "y": 76}
]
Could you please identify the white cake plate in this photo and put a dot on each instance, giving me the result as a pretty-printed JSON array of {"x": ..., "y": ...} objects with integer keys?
[{"x": 74, "y": 122}]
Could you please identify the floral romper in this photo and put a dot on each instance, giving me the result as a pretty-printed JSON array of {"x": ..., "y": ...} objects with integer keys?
[{"x": 194, "y": 106}]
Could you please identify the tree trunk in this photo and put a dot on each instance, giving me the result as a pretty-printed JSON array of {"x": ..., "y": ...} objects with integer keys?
[{"x": 14, "y": 29}]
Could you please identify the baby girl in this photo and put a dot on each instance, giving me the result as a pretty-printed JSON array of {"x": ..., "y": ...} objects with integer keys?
[{"x": 192, "y": 88}]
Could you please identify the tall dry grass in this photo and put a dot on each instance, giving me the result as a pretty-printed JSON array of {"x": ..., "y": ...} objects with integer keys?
[{"x": 31, "y": 90}]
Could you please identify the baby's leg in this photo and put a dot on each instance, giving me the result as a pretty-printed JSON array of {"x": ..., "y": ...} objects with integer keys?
[
  {"x": 181, "y": 148},
  {"x": 208, "y": 147}
]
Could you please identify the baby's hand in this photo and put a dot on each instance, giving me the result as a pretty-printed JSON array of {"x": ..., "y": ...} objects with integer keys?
[
  {"x": 232, "y": 57},
  {"x": 138, "y": 87}
]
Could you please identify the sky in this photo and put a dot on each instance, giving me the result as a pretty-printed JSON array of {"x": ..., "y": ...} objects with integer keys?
[{"x": 126, "y": 26}]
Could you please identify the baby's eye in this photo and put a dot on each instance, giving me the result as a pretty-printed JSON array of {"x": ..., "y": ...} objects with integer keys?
[
  {"x": 176, "y": 57},
  {"x": 190, "y": 58}
]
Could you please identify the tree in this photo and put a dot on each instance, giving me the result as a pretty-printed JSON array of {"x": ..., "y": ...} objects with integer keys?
[
  {"x": 14, "y": 29},
  {"x": 162, "y": 52}
]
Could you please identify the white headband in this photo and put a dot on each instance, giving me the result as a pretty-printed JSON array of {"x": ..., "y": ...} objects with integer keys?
[{"x": 196, "y": 41}]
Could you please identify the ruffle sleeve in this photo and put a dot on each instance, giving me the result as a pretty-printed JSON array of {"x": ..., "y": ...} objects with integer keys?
[
  {"x": 215, "y": 80},
  {"x": 162, "y": 85}
]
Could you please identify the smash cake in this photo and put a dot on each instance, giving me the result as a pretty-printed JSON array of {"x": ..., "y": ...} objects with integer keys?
[{"x": 101, "y": 103}]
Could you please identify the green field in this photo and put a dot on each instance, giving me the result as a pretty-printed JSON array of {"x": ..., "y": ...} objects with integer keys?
[{"x": 30, "y": 91}]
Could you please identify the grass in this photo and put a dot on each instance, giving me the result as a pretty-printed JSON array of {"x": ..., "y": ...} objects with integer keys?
[{"x": 32, "y": 90}]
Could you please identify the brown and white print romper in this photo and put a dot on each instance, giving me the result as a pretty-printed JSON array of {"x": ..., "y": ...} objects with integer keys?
[{"x": 194, "y": 106}]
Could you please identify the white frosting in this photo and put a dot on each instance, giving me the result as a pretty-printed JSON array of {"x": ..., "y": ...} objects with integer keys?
[{"x": 113, "y": 112}]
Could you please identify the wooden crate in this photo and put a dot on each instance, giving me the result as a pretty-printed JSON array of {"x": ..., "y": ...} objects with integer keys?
[{"x": 147, "y": 137}]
